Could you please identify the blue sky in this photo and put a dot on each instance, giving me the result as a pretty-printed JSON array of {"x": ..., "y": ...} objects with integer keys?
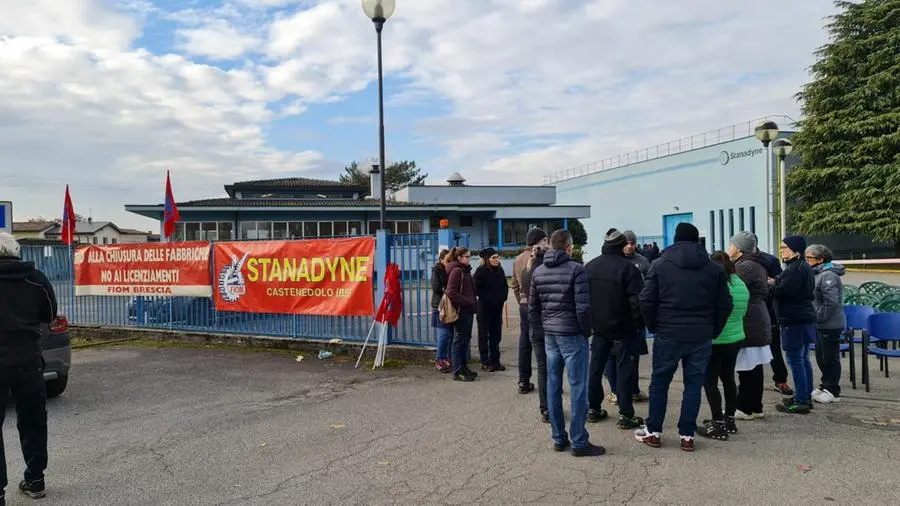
[{"x": 107, "y": 95}]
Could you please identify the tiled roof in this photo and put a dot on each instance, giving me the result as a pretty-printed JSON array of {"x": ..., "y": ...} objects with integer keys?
[
  {"x": 32, "y": 226},
  {"x": 85, "y": 227},
  {"x": 133, "y": 231},
  {"x": 227, "y": 202},
  {"x": 292, "y": 183}
]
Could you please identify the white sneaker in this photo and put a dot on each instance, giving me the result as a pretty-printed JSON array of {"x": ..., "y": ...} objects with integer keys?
[
  {"x": 826, "y": 398},
  {"x": 740, "y": 415},
  {"x": 815, "y": 393}
]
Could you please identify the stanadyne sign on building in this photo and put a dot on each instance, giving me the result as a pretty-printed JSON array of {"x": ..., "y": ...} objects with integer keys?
[
  {"x": 721, "y": 189},
  {"x": 6, "y": 216}
]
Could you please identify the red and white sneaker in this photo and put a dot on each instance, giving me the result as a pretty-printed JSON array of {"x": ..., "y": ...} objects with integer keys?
[
  {"x": 687, "y": 443},
  {"x": 651, "y": 439}
]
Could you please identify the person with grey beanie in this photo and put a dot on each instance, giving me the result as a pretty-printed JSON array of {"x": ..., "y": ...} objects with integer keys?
[
  {"x": 830, "y": 320},
  {"x": 752, "y": 268}
]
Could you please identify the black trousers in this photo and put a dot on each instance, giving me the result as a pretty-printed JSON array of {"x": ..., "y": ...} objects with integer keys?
[
  {"x": 625, "y": 352},
  {"x": 750, "y": 391},
  {"x": 490, "y": 331},
  {"x": 779, "y": 369},
  {"x": 25, "y": 382},
  {"x": 828, "y": 357},
  {"x": 462, "y": 339},
  {"x": 525, "y": 347},
  {"x": 540, "y": 357},
  {"x": 721, "y": 368}
]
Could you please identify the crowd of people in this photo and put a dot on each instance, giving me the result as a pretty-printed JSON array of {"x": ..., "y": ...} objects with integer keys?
[{"x": 723, "y": 316}]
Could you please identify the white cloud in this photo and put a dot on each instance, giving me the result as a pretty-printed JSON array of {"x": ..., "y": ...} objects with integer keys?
[
  {"x": 525, "y": 87},
  {"x": 218, "y": 40}
]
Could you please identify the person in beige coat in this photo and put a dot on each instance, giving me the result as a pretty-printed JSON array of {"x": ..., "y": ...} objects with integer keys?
[{"x": 519, "y": 287}]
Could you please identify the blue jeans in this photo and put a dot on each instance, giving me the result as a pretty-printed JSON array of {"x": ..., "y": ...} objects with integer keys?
[
  {"x": 694, "y": 358},
  {"x": 795, "y": 340},
  {"x": 571, "y": 353},
  {"x": 444, "y": 340},
  {"x": 462, "y": 338}
]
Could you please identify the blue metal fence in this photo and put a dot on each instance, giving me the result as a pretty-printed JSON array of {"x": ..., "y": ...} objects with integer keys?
[{"x": 415, "y": 254}]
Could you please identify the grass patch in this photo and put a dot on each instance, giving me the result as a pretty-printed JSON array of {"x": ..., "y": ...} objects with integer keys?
[{"x": 389, "y": 364}]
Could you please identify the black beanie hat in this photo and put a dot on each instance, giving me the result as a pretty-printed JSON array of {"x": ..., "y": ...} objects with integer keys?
[
  {"x": 615, "y": 238},
  {"x": 488, "y": 253},
  {"x": 534, "y": 236},
  {"x": 797, "y": 243},
  {"x": 685, "y": 232}
]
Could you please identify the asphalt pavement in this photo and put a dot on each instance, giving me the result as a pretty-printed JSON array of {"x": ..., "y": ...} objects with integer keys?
[{"x": 183, "y": 426}]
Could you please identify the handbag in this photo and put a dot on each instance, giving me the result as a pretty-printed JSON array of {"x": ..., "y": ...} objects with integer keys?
[{"x": 446, "y": 312}]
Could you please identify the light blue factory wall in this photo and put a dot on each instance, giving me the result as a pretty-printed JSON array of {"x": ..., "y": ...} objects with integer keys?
[{"x": 727, "y": 180}]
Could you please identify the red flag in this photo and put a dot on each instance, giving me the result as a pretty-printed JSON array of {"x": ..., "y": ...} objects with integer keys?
[
  {"x": 68, "y": 221},
  {"x": 170, "y": 214},
  {"x": 392, "y": 303}
]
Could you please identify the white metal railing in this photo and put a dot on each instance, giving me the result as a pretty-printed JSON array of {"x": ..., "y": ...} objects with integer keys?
[{"x": 702, "y": 140}]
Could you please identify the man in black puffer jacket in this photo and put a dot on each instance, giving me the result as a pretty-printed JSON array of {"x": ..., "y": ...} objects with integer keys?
[
  {"x": 27, "y": 302},
  {"x": 559, "y": 302},
  {"x": 615, "y": 283},
  {"x": 685, "y": 303}
]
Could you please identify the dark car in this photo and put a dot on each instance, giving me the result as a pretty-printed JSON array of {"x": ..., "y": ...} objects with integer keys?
[{"x": 57, "y": 355}]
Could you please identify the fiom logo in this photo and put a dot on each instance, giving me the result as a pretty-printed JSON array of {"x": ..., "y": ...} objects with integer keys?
[{"x": 231, "y": 280}]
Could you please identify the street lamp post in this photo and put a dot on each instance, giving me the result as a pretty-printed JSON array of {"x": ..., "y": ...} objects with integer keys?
[
  {"x": 379, "y": 11},
  {"x": 766, "y": 131},
  {"x": 782, "y": 148}
]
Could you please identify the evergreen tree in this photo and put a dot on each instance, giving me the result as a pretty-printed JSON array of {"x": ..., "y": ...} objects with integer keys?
[
  {"x": 399, "y": 175},
  {"x": 848, "y": 177}
]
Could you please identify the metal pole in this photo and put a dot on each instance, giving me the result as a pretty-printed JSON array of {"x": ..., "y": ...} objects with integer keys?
[
  {"x": 770, "y": 232},
  {"x": 379, "y": 24},
  {"x": 782, "y": 196}
]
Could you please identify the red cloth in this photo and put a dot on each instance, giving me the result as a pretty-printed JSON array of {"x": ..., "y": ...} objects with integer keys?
[
  {"x": 171, "y": 216},
  {"x": 391, "y": 307},
  {"x": 68, "y": 221}
]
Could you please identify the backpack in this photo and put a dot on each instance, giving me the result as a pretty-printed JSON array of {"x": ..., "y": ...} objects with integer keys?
[{"x": 446, "y": 312}]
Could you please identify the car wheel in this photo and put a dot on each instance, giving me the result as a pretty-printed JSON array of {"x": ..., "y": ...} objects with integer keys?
[{"x": 56, "y": 387}]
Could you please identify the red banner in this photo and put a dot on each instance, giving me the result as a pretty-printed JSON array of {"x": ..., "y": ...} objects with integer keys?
[
  {"x": 322, "y": 277},
  {"x": 164, "y": 269}
]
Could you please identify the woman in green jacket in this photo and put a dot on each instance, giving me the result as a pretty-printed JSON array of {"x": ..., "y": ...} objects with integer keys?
[{"x": 724, "y": 356}]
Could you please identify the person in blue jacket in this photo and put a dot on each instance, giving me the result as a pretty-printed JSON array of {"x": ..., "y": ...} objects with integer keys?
[{"x": 794, "y": 292}]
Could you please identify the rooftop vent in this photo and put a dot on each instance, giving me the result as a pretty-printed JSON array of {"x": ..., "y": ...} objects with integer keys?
[{"x": 456, "y": 180}]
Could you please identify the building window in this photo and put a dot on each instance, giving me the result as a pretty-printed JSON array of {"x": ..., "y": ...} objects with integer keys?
[
  {"x": 466, "y": 221},
  {"x": 753, "y": 219},
  {"x": 354, "y": 228},
  {"x": 192, "y": 231},
  {"x": 326, "y": 229},
  {"x": 105, "y": 240},
  {"x": 340, "y": 228},
  {"x": 415, "y": 227},
  {"x": 114, "y": 240},
  {"x": 721, "y": 229},
  {"x": 295, "y": 230},
  {"x": 225, "y": 231},
  {"x": 492, "y": 234},
  {"x": 248, "y": 230},
  {"x": 741, "y": 219},
  {"x": 280, "y": 230},
  {"x": 209, "y": 231},
  {"x": 310, "y": 229},
  {"x": 730, "y": 224},
  {"x": 712, "y": 229},
  {"x": 401, "y": 227},
  {"x": 93, "y": 240}
]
